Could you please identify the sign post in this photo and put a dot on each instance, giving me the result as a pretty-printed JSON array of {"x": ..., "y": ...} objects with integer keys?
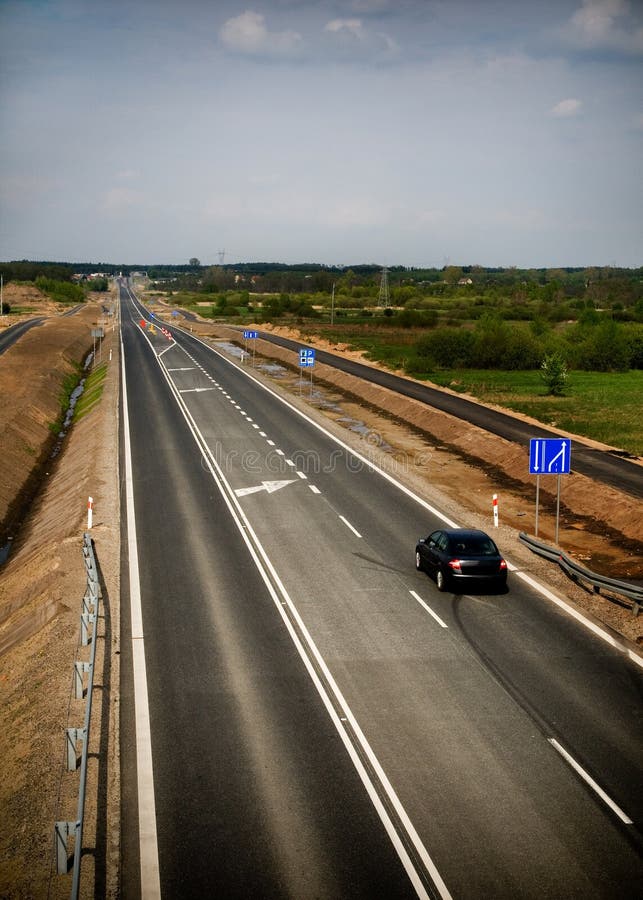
[
  {"x": 251, "y": 336},
  {"x": 549, "y": 456},
  {"x": 100, "y": 334},
  {"x": 307, "y": 361}
]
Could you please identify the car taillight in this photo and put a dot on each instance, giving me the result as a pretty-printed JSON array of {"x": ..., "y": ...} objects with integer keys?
[
  {"x": 503, "y": 565},
  {"x": 455, "y": 565}
]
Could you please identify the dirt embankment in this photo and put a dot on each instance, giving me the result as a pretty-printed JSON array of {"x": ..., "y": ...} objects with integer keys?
[
  {"x": 41, "y": 590},
  {"x": 32, "y": 373}
]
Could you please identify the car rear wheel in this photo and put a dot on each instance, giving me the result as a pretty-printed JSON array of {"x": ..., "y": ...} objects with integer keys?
[
  {"x": 440, "y": 580},
  {"x": 418, "y": 561}
]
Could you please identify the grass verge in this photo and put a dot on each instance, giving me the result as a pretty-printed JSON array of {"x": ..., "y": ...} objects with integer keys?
[{"x": 93, "y": 391}]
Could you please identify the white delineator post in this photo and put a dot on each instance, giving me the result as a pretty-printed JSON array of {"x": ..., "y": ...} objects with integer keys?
[
  {"x": 495, "y": 510},
  {"x": 90, "y": 512}
]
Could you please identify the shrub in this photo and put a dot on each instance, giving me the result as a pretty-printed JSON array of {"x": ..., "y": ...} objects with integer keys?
[
  {"x": 554, "y": 374},
  {"x": 60, "y": 291},
  {"x": 450, "y": 348},
  {"x": 604, "y": 348}
]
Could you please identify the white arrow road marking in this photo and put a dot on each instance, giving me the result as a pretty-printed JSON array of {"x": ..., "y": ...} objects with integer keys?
[
  {"x": 195, "y": 390},
  {"x": 269, "y": 486}
]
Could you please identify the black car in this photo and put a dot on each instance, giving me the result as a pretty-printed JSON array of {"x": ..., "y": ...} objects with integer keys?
[{"x": 459, "y": 556}]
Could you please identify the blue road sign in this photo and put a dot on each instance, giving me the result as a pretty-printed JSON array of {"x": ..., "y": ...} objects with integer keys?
[
  {"x": 550, "y": 456},
  {"x": 250, "y": 335},
  {"x": 306, "y": 357}
]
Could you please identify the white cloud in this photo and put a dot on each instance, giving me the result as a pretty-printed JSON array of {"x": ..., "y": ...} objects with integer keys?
[
  {"x": 352, "y": 42},
  {"x": 566, "y": 108},
  {"x": 249, "y": 35},
  {"x": 119, "y": 199},
  {"x": 353, "y": 26},
  {"x": 607, "y": 24}
]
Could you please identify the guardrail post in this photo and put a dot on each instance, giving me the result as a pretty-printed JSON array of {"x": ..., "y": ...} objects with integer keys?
[
  {"x": 79, "y": 668},
  {"x": 73, "y": 735},
  {"x": 62, "y": 832},
  {"x": 86, "y": 619}
]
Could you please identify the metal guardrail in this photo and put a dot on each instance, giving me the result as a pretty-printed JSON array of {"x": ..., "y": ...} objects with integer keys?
[
  {"x": 580, "y": 573},
  {"x": 88, "y": 628}
]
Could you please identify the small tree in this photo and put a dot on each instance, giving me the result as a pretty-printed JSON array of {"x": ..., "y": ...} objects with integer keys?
[
  {"x": 194, "y": 262},
  {"x": 554, "y": 374}
]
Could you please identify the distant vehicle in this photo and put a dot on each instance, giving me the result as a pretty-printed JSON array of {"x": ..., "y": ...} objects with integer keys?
[{"x": 460, "y": 556}]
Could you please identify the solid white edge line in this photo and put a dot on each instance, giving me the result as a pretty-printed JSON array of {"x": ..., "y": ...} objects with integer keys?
[
  {"x": 348, "y": 525},
  {"x": 148, "y": 843},
  {"x": 599, "y": 632},
  {"x": 428, "y": 609},
  {"x": 263, "y": 563},
  {"x": 590, "y": 781},
  {"x": 576, "y": 614}
]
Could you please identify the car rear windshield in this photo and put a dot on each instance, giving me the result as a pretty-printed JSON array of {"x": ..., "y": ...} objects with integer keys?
[{"x": 473, "y": 546}]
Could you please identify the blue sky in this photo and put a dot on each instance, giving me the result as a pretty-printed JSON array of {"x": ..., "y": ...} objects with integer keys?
[{"x": 400, "y": 132}]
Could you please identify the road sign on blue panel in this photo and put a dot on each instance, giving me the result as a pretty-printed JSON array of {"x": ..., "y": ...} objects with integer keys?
[
  {"x": 550, "y": 456},
  {"x": 250, "y": 335},
  {"x": 306, "y": 353}
]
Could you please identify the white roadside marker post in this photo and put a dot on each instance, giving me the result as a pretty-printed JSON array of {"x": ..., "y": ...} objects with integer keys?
[
  {"x": 495, "y": 510},
  {"x": 90, "y": 512}
]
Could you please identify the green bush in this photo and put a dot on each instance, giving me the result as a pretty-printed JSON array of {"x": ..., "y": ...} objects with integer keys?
[
  {"x": 450, "y": 348},
  {"x": 554, "y": 374},
  {"x": 60, "y": 291},
  {"x": 602, "y": 347}
]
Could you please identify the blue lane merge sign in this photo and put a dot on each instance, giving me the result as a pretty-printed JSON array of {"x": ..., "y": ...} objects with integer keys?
[
  {"x": 550, "y": 456},
  {"x": 250, "y": 335}
]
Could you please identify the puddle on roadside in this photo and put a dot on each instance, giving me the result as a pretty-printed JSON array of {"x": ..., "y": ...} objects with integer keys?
[
  {"x": 232, "y": 349},
  {"x": 5, "y": 551},
  {"x": 273, "y": 369}
]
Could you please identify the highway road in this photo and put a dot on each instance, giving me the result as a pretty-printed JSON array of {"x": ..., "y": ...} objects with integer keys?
[
  {"x": 303, "y": 714},
  {"x": 602, "y": 465},
  {"x": 10, "y": 335}
]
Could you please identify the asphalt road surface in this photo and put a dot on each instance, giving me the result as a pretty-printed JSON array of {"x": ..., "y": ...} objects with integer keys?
[
  {"x": 322, "y": 722},
  {"x": 10, "y": 335},
  {"x": 599, "y": 464}
]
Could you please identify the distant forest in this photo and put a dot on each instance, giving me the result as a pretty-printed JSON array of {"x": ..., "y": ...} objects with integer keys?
[{"x": 29, "y": 270}]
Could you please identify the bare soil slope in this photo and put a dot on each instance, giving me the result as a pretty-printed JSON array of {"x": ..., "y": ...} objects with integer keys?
[{"x": 41, "y": 589}]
